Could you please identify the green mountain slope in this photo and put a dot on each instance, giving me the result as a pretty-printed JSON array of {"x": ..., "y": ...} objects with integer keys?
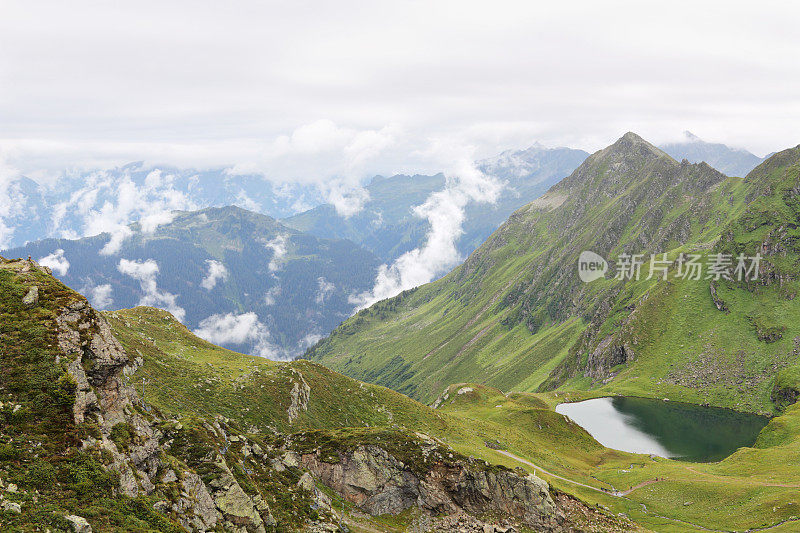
[
  {"x": 128, "y": 421},
  {"x": 516, "y": 316}
]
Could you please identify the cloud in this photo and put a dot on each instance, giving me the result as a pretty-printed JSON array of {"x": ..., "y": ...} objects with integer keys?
[
  {"x": 110, "y": 200},
  {"x": 12, "y": 203},
  {"x": 245, "y": 328},
  {"x": 145, "y": 272},
  {"x": 347, "y": 200},
  {"x": 100, "y": 296},
  {"x": 216, "y": 272},
  {"x": 308, "y": 341},
  {"x": 444, "y": 211},
  {"x": 56, "y": 261},
  {"x": 272, "y": 294},
  {"x": 117, "y": 237},
  {"x": 278, "y": 247},
  {"x": 245, "y": 202},
  {"x": 326, "y": 288}
]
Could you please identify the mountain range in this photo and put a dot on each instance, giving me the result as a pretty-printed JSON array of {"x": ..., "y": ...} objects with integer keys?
[
  {"x": 126, "y": 420},
  {"x": 729, "y": 161},
  {"x": 240, "y": 278},
  {"x": 389, "y": 227},
  {"x": 517, "y": 316}
]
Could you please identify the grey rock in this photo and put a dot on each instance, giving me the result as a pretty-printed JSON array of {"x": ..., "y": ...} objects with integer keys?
[
  {"x": 32, "y": 298},
  {"x": 12, "y": 507},
  {"x": 79, "y": 524}
]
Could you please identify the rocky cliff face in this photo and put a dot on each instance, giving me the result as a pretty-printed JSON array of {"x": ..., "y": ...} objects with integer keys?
[{"x": 422, "y": 473}]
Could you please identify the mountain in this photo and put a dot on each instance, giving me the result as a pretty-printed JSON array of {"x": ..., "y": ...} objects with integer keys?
[
  {"x": 517, "y": 316},
  {"x": 388, "y": 227},
  {"x": 24, "y": 213},
  {"x": 75, "y": 205},
  {"x": 87, "y": 203},
  {"x": 83, "y": 450},
  {"x": 240, "y": 278},
  {"x": 730, "y": 161}
]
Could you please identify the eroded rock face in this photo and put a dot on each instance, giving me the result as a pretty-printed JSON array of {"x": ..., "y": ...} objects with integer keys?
[
  {"x": 300, "y": 395},
  {"x": 96, "y": 363},
  {"x": 99, "y": 365},
  {"x": 379, "y": 483}
]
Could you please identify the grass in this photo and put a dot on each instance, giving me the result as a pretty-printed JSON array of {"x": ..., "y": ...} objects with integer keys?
[{"x": 341, "y": 410}]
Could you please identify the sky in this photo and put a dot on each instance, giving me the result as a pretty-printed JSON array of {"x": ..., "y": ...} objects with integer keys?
[{"x": 309, "y": 91}]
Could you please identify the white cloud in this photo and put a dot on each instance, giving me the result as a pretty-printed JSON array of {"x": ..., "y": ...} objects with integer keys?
[
  {"x": 245, "y": 328},
  {"x": 100, "y": 296},
  {"x": 272, "y": 294},
  {"x": 347, "y": 200},
  {"x": 11, "y": 203},
  {"x": 278, "y": 247},
  {"x": 444, "y": 211},
  {"x": 245, "y": 202},
  {"x": 72, "y": 76},
  {"x": 216, "y": 272},
  {"x": 145, "y": 272},
  {"x": 308, "y": 341},
  {"x": 325, "y": 289},
  {"x": 117, "y": 237},
  {"x": 108, "y": 202},
  {"x": 56, "y": 261}
]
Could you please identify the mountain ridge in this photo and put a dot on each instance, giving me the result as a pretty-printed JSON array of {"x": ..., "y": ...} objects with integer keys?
[{"x": 516, "y": 313}]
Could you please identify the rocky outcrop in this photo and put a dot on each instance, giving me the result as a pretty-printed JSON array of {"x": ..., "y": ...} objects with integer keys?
[
  {"x": 99, "y": 365},
  {"x": 31, "y": 298},
  {"x": 299, "y": 396},
  {"x": 96, "y": 360},
  {"x": 378, "y": 482}
]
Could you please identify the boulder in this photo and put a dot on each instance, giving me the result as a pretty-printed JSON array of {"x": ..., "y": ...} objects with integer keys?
[
  {"x": 32, "y": 298},
  {"x": 12, "y": 507},
  {"x": 79, "y": 524}
]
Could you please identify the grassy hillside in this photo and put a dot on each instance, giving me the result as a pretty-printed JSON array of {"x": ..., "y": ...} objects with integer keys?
[
  {"x": 188, "y": 376},
  {"x": 516, "y": 316}
]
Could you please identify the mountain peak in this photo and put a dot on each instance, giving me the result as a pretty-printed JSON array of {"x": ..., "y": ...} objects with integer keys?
[
  {"x": 630, "y": 147},
  {"x": 632, "y": 140},
  {"x": 691, "y": 137}
]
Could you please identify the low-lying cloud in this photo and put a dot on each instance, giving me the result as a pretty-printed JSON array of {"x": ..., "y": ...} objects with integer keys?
[
  {"x": 324, "y": 290},
  {"x": 108, "y": 203},
  {"x": 100, "y": 296},
  {"x": 444, "y": 211},
  {"x": 245, "y": 328},
  {"x": 145, "y": 272},
  {"x": 56, "y": 262},
  {"x": 216, "y": 272},
  {"x": 278, "y": 247}
]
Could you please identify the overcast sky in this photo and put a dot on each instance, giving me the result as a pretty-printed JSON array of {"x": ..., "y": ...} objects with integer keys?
[{"x": 305, "y": 90}]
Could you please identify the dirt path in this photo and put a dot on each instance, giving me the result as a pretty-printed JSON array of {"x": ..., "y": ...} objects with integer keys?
[{"x": 584, "y": 485}]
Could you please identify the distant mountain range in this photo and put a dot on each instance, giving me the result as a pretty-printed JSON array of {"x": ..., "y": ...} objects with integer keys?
[
  {"x": 517, "y": 315},
  {"x": 730, "y": 161},
  {"x": 280, "y": 310},
  {"x": 388, "y": 227},
  {"x": 77, "y": 205},
  {"x": 242, "y": 279}
]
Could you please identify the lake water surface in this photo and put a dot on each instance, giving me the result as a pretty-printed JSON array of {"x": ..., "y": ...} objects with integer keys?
[{"x": 669, "y": 429}]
